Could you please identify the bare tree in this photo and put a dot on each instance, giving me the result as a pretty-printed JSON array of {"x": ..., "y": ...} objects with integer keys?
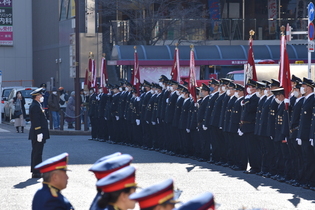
[{"x": 152, "y": 21}]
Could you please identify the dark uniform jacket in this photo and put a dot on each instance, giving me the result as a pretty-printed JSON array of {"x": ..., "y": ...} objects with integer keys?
[
  {"x": 94, "y": 205},
  {"x": 279, "y": 136},
  {"x": 156, "y": 109},
  {"x": 235, "y": 117},
  {"x": 227, "y": 114},
  {"x": 177, "y": 112},
  {"x": 122, "y": 104},
  {"x": 170, "y": 107},
  {"x": 150, "y": 108},
  {"x": 114, "y": 105},
  {"x": 306, "y": 117},
  {"x": 216, "y": 112},
  {"x": 144, "y": 103},
  {"x": 162, "y": 104},
  {"x": 258, "y": 113},
  {"x": 263, "y": 122},
  {"x": 210, "y": 105},
  {"x": 38, "y": 122},
  {"x": 272, "y": 118},
  {"x": 50, "y": 198},
  {"x": 93, "y": 106},
  {"x": 247, "y": 124},
  {"x": 193, "y": 123},
  {"x": 184, "y": 115},
  {"x": 295, "y": 117},
  {"x": 201, "y": 115},
  {"x": 223, "y": 110}
]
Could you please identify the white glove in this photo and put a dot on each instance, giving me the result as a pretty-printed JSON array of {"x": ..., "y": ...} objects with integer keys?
[
  {"x": 137, "y": 121},
  {"x": 197, "y": 105},
  {"x": 240, "y": 133},
  {"x": 147, "y": 122},
  {"x": 312, "y": 142},
  {"x": 204, "y": 127},
  {"x": 299, "y": 141},
  {"x": 271, "y": 137},
  {"x": 197, "y": 128},
  {"x": 220, "y": 128},
  {"x": 157, "y": 120},
  {"x": 40, "y": 137},
  {"x": 105, "y": 118},
  {"x": 187, "y": 130},
  {"x": 138, "y": 98},
  {"x": 117, "y": 118},
  {"x": 167, "y": 100},
  {"x": 286, "y": 101},
  {"x": 153, "y": 123}
]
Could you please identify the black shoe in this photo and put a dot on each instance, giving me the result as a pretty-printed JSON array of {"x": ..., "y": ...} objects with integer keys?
[
  {"x": 250, "y": 172},
  {"x": 236, "y": 168},
  {"x": 101, "y": 140},
  {"x": 201, "y": 160},
  {"x": 36, "y": 175},
  {"x": 281, "y": 179},
  {"x": 90, "y": 139},
  {"x": 275, "y": 177},
  {"x": 312, "y": 188},
  {"x": 218, "y": 163},
  {"x": 295, "y": 184},
  {"x": 305, "y": 186},
  {"x": 260, "y": 173}
]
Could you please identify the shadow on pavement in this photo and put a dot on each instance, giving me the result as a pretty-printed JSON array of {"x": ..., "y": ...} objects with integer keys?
[{"x": 26, "y": 183}]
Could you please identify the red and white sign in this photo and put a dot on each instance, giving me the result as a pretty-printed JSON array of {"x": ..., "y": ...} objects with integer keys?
[{"x": 272, "y": 16}]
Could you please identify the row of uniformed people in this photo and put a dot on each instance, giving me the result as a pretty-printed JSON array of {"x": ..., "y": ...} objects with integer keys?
[
  {"x": 116, "y": 187},
  {"x": 224, "y": 128}
]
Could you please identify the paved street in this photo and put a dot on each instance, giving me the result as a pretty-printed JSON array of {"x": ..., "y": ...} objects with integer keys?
[{"x": 232, "y": 190}]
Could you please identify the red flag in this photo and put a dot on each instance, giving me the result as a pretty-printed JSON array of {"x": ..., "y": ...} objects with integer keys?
[
  {"x": 175, "y": 69},
  {"x": 104, "y": 76},
  {"x": 284, "y": 71},
  {"x": 93, "y": 74},
  {"x": 89, "y": 76},
  {"x": 86, "y": 79},
  {"x": 136, "y": 73},
  {"x": 192, "y": 76},
  {"x": 250, "y": 69}
]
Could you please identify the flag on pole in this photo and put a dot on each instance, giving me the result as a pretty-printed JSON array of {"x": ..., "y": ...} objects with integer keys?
[
  {"x": 136, "y": 73},
  {"x": 93, "y": 74},
  {"x": 284, "y": 70},
  {"x": 192, "y": 75},
  {"x": 175, "y": 69},
  {"x": 86, "y": 79},
  {"x": 250, "y": 69},
  {"x": 104, "y": 76}
]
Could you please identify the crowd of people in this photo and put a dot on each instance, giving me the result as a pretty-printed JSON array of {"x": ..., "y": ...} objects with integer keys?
[
  {"x": 228, "y": 125},
  {"x": 115, "y": 187}
]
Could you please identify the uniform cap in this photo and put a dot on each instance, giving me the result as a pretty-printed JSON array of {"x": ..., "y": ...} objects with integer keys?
[
  {"x": 240, "y": 87},
  {"x": 278, "y": 91},
  {"x": 295, "y": 79},
  {"x": 275, "y": 83},
  {"x": 214, "y": 82},
  {"x": 173, "y": 82},
  {"x": 181, "y": 87},
  {"x": 260, "y": 85},
  {"x": 146, "y": 83},
  {"x": 163, "y": 78},
  {"x": 58, "y": 162},
  {"x": 298, "y": 85},
  {"x": 107, "y": 157},
  {"x": 225, "y": 81},
  {"x": 37, "y": 91},
  {"x": 159, "y": 193},
  {"x": 251, "y": 82},
  {"x": 231, "y": 84},
  {"x": 308, "y": 82},
  {"x": 118, "y": 180},
  {"x": 185, "y": 83},
  {"x": 43, "y": 85},
  {"x": 204, "y": 87},
  {"x": 268, "y": 83},
  {"x": 185, "y": 90},
  {"x": 204, "y": 201},
  {"x": 104, "y": 168}
]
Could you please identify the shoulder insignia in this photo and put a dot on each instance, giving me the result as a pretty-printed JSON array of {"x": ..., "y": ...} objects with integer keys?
[{"x": 53, "y": 191}]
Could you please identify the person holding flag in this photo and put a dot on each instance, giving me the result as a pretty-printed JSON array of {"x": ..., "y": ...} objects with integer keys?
[{"x": 175, "y": 68}]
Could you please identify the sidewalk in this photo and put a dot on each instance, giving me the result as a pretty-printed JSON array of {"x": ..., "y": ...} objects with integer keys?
[{"x": 65, "y": 131}]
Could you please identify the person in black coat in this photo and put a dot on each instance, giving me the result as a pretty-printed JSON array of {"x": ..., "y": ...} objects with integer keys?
[
  {"x": 145, "y": 98},
  {"x": 38, "y": 131},
  {"x": 93, "y": 114},
  {"x": 247, "y": 127},
  {"x": 114, "y": 114},
  {"x": 303, "y": 136},
  {"x": 19, "y": 111}
]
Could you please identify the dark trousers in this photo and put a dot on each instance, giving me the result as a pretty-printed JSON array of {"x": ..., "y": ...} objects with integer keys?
[
  {"x": 308, "y": 169},
  {"x": 253, "y": 151},
  {"x": 287, "y": 166},
  {"x": 230, "y": 149},
  {"x": 217, "y": 144},
  {"x": 196, "y": 142},
  {"x": 279, "y": 159},
  {"x": 269, "y": 156},
  {"x": 37, "y": 153},
  {"x": 101, "y": 128},
  {"x": 240, "y": 156},
  {"x": 94, "y": 127},
  {"x": 206, "y": 144},
  {"x": 296, "y": 159}
]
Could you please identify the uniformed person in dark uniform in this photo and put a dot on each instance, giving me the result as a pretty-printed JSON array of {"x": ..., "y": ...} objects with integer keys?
[
  {"x": 55, "y": 179},
  {"x": 238, "y": 153},
  {"x": 38, "y": 131},
  {"x": 93, "y": 114},
  {"x": 45, "y": 94},
  {"x": 102, "y": 128},
  {"x": 144, "y": 100},
  {"x": 148, "y": 115},
  {"x": 303, "y": 136},
  {"x": 247, "y": 127},
  {"x": 206, "y": 129},
  {"x": 114, "y": 113}
]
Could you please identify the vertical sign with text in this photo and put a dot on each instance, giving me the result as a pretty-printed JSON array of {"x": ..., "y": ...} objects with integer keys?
[{"x": 6, "y": 22}]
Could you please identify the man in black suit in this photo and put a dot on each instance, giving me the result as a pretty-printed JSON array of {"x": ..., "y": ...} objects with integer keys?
[
  {"x": 145, "y": 98},
  {"x": 93, "y": 114},
  {"x": 247, "y": 127},
  {"x": 114, "y": 113},
  {"x": 38, "y": 131},
  {"x": 303, "y": 137}
]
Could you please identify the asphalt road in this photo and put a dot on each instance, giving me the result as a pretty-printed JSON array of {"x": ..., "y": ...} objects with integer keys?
[{"x": 232, "y": 189}]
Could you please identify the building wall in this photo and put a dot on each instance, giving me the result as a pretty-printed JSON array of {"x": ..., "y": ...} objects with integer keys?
[
  {"x": 16, "y": 60},
  {"x": 45, "y": 42}
]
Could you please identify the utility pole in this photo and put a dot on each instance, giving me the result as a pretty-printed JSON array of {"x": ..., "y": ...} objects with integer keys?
[{"x": 77, "y": 72}]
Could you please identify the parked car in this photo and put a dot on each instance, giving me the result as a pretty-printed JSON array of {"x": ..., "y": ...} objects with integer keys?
[
  {"x": 9, "y": 107},
  {"x": 5, "y": 94}
]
